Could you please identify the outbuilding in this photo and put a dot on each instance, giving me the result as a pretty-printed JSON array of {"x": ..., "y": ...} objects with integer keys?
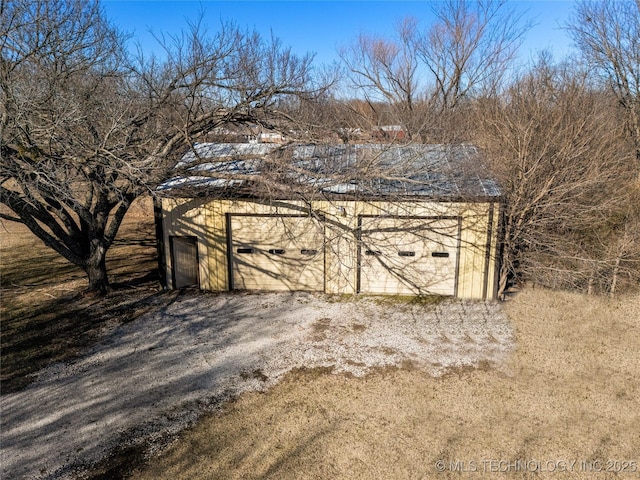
[{"x": 341, "y": 219}]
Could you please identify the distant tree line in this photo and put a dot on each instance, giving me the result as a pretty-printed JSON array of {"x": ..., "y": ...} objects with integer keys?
[{"x": 86, "y": 126}]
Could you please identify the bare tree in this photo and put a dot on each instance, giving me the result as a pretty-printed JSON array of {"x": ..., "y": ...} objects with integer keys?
[
  {"x": 469, "y": 49},
  {"x": 607, "y": 32},
  {"x": 556, "y": 151},
  {"x": 85, "y": 129},
  {"x": 426, "y": 75},
  {"x": 387, "y": 71}
]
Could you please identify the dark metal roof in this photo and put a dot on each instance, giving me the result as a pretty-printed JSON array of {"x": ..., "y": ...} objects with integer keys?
[{"x": 369, "y": 170}]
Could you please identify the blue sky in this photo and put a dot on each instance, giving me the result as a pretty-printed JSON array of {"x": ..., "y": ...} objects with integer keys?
[{"x": 322, "y": 27}]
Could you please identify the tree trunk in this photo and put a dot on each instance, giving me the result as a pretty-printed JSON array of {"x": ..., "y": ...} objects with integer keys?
[
  {"x": 593, "y": 271},
  {"x": 96, "y": 268},
  {"x": 503, "y": 282},
  {"x": 507, "y": 258},
  {"x": 590, "y": 284},
  {"x": 614, "y": 277}
]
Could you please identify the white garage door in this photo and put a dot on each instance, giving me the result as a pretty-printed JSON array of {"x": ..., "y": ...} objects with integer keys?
[
  {"x": 276, "y": 253},
  {"x": 408, "y": 256}
]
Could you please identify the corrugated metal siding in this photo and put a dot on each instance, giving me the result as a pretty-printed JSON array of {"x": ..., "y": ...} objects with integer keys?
[
  {"x": 472, "y": 258},
  {"x": 207, "y": 221},
  {"x": 410, "y": 171},
  {"x": 494, "y": 251}
]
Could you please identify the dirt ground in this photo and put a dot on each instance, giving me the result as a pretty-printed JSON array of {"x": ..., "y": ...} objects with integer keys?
[
  {"x": 565, "y": 405},
  {"x": 568, "y": 407},
  {"x": 45, "y": 315}
]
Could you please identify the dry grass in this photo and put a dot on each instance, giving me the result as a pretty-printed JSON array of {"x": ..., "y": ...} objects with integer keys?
[
  {"x": 46, "y": 314},
  {"x": 571, "y": 394}
]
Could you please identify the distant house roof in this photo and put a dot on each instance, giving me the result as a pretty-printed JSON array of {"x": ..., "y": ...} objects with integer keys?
[
  {"x": 391, "y": 128},
  {"x": 362, "y": 170}
]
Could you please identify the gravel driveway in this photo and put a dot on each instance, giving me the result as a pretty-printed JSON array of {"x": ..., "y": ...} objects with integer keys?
[{"x": 147, "y": 380}]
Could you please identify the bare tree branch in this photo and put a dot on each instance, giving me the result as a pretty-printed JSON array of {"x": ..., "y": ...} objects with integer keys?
[
  {"x": 607, "y": 32},
  {"x": 85, "y": 128}
]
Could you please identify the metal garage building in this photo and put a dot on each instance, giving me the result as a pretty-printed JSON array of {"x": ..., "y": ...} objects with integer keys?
[{"x": 341, "y": 219}]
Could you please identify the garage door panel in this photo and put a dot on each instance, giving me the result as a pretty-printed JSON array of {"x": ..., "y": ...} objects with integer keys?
[
  {"x": 408, "y": 256},
  {"x": 277, "y": 253}
]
